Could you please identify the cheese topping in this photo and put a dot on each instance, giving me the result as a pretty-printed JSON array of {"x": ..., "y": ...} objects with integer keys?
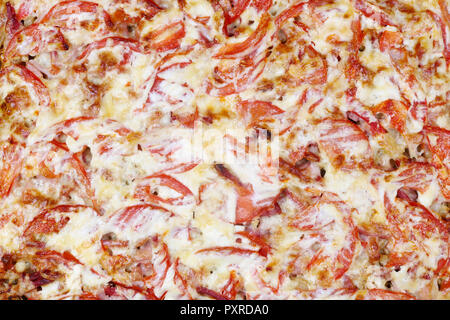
[{"x": 224, "y": 149}]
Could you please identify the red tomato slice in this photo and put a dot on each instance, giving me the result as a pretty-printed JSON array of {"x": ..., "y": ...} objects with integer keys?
[
  {"x": 381, "y": 294},
  {"x": 309, "y": 59},
  {"x": 12, "y": 24},
  {"x": 33, "y": 39},
  {"x": 12, "y": 157},
  {"x": 412, "y": 222},
  {"x": 442, "y": 25},
  {"x": 161, "y": 261},
  {"x": 417, "y": 176},
  {"x": 228, "y": 250},
  {"x": 391, "y": 42},
  {"x": 254, "y": 112},
  {"x": 354, "y": 67},
  {"x": 122, "y": 290},
  {"x": 249, "y": 45},
  {"x": 210, "y": 293},
  {"x": 167, "y": 38},
  {"x": 363, "y": 116},
  {"x": 143, "y": 191},
  {"x": 84, "y": 180},
  {"x": 40, "y": 88},
  {"x": 66, "y": 12},
  {"x": 160, "y": 92},
  {"x": 419, "y": 112},
  {"x": 296, "y": 9},
  {"x": 25, "y": 9},
  {"x": 373, "y": 12},
  {"x": 439, "y": 143},
  {"x": 65, "y": 257},
  {"x": 181, "y": 280},
  {"x": 228, "y": 292},
  {"x": 180, "y": 168},
  {"x": 257, "y": 240},
  {"x": 130, "y": 44},
  {"x": 51, "y": 220},
  {"x": 291, "y": 12},
  {"x": 318, "y": 223},
  {"x": 262, "y": 5},
  {"x": 232, "y": 10},
  {"x": 343, "y": 141},
  {"x": 135, "y": 217},
  {"x": 246, "y": 208},
  {"x": 396, "y": 111},
  {"x": 237, "y": 78},
  {"x": 399, "y": 259}
]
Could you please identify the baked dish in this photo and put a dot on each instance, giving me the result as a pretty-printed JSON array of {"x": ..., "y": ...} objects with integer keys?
[{"x": 224, "y": 149}]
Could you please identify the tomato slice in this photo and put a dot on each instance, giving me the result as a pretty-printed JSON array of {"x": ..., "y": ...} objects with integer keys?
[
  {"x": 391, "y": 42},
  {"x": 396, "y": 111},
  {"x": 343, "y": 142},
  {"x": 298, "y": 8},
  {"x": 65, "y": 257},
  {"x": 361, "y": 116},
  {"x": 262, "y": 5},
  {"x": 412, "y": 224},
  {"x": 312, "y": 68},
  {"x": 39, "y": 87},
  {"x": 254, "y": 112},
  {"x": 137, "y": 216},
  {"x": 124, "y": 290},
  {"x": 228, "y": 250},
  {"x": 228, "y": 292},
  {"x": 12, "y": 24},
  {"x": 442, "y": 25},
  {"x": 416, "y": 175},
  {"x": 439, "y": 143},
  {"x": 373, "y": 12},
  {"x": 143, "y": 191},
  {"x": 51, "y": 220},
  {"x": 12, "y": 157},
  {"x": 64, "y": 13},
  {"x": 34, "y": 39},
  {"x": 159, "y": 90},
  {"x": 318, "y": 220},
  {"x": 166, "y": 38},
  {"x": 414, "y": 221},
  {"x": 257, "y": 240},
  {"x": 130, "y": 44},
  {"x": 246, "y": 210},
  {"x": 180, "y": 280},
  {"x": 210, "y": 293},
  {"x": 249, "y": 45},
  {"x": 85, "y": 180},
  {"x": 381, "y": 294},
  {"x": 236, "y": 78},
  {"x": 232, "y": 10},
  {"x": 291, "y": 12},
  {"x": 355, "y": 69},
  {"x": 24, "y": 9}
]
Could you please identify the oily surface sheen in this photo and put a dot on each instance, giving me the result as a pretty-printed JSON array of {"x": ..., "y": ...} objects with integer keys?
[{"x": 102, "y": 197}]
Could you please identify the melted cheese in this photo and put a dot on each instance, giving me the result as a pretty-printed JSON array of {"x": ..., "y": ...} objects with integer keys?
[{"x": 149, "y": 127}]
